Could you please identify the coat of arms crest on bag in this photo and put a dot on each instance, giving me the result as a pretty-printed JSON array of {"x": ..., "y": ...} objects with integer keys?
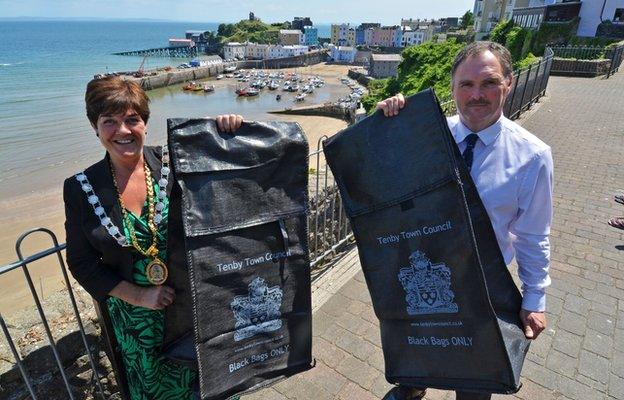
[
  {"x": 258, "y": 311},
  {"x": 427, "y": 286}
]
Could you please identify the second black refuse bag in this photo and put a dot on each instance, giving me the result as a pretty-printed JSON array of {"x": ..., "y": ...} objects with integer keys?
[
  {"x": 244, "y": 224},
  {"x": 447, "y": 305}
]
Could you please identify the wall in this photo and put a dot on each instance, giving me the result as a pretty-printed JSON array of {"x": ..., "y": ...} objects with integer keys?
[
  {"x": 313, "y": 57},
  {"x": 590, "y": 68},
  {"x": 171, "y": 78},
  {"x": 590, "y": 15}
]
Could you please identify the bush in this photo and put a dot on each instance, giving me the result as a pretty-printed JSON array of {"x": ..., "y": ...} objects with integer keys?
[
  {"x": 500, "y": 32},
  {"x": 515, "y": 42},
  {"x": 553, "y": 34},
  {"x": 530, "y": 59},
  {"x": 423, "y": 66}
]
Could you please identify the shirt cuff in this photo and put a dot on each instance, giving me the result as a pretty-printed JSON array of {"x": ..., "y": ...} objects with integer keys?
[{"x": 534, "y": 302}]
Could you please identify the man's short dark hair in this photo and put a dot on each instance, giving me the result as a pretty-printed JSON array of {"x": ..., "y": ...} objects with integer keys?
[{"x": 475, "y": 48}]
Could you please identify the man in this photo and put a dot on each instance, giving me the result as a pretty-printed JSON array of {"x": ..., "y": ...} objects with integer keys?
[{"x": 512, "y": 170}]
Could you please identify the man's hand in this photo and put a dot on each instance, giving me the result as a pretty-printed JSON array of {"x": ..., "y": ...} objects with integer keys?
[
  {"x": 391, "y": 105},
  {"x": 229, "y": 122},
  {"x": 155, "y": 297},
  {"x": 533, "y": 322}
]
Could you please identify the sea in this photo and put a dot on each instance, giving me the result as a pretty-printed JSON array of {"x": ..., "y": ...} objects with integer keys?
[{"x": 44, "y": 69}]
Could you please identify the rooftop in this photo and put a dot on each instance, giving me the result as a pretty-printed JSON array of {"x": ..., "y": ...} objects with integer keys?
[{"x": 386, "y": 57}]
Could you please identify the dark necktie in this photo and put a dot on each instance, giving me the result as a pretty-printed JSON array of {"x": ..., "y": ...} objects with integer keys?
[{"x": 471, "y": 141}]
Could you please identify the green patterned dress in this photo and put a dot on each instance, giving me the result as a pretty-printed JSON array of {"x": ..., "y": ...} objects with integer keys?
[{"x": 139, "y": 331}]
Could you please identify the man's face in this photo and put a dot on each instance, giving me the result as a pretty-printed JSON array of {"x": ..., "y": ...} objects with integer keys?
[{"x": 480, "y": 90}]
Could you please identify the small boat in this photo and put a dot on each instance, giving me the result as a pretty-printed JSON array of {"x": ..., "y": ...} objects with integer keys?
[
  {"x": 219, "y": 77},
  {"x": 229, "y": 75},
  {"x": 300, "y": 97},
  {"x": 273, "y": 85},
  {"x": 208, "y": 88},
  {"x": 230, "y": 68},
  {"x": 252, "y": 92},
  {"x": 189, "y": 86},
  {"x": 198, "y": 88},
  {"x": 241, "y": 91},
  {"x": 278, "y": 97}
]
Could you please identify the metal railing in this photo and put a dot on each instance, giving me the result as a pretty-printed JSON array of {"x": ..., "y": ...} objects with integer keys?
[
  {"x": 581, "y": 60},
  {"x": 529, "y": 85},
  {"x": 328, "y": 228},
  {"x": 616, "y": 55},
  {"x": 579, "y": 52}
]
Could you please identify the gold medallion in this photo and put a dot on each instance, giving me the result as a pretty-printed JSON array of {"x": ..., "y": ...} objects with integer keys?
[{"x": 156, "y": 272}]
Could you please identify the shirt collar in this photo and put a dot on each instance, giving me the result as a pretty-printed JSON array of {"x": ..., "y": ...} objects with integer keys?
[{"x": 487, "y": 135}]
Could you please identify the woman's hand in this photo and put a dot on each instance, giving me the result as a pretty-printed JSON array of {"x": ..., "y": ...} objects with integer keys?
[
  {"x": 155, "y": 297},
  {"x": 391, "y": 105},
  {"x": 152, "y": 297},
  {"x": 229, "y": 122}
]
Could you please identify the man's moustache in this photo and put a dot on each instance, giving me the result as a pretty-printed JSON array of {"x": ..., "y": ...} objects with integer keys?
[{"x": 479, "y": 103}]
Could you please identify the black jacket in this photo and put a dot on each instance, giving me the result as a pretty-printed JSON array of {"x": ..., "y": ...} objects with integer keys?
[{"x": 94, "y": 258}]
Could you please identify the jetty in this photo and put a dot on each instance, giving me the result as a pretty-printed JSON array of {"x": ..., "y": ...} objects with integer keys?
[{"x": 169, "y": 51}]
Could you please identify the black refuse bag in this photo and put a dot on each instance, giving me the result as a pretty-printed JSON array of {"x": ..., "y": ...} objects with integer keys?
[
  {"x": 447, "y": 305},
  {"x": 238, "y": 234}
]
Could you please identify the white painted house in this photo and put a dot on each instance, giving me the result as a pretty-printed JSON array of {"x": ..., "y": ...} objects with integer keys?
[{"x": 593, "y": 12}]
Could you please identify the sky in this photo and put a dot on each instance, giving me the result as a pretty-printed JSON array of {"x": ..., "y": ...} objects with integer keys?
[{"x": 320, "y": 11}]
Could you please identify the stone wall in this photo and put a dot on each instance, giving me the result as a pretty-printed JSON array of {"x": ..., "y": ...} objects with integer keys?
[
  {"x": 311, "y": 58},
  {"x": 360, "y": 76},
  {"x": 325, "y": 110},
  {"x": 571, "y": 67},
  {"x": 164, "y": 78}
]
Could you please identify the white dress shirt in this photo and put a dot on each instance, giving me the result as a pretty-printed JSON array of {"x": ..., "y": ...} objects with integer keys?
[{"x": 513, "y": 172}]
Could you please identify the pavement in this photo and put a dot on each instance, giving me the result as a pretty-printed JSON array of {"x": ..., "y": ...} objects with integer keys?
[{"x": 581, "y": 354}]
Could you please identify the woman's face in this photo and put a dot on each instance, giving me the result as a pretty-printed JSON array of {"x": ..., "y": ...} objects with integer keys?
[{"x": 122, "y": 135}]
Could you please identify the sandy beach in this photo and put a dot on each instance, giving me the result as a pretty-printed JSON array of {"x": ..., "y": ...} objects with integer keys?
[{"x": 43, "y": 207}]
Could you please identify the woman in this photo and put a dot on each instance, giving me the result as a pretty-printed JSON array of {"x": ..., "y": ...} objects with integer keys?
[{"x": 116, "y": 225}]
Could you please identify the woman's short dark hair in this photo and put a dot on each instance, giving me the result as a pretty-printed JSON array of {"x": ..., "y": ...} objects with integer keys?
[
  {"x": 115, "y": 95},
  {"x": 475, "y": 48}
]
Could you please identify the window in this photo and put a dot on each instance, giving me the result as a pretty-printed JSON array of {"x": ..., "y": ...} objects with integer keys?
[{"x": 619, "y": 15}]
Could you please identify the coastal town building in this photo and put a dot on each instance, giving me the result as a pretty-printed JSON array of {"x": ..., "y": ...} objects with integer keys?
[
  {"x": 384, "y": 65},
  {"x": 174, "y": 42},
  {"x": 593, "y": 12},
  {"x": 351, "y": 37},
  {"x": 310, "y": 36},
  {"x": 234, "y": 50},
  {"x": 412, "y": 37},
  {"x": 368, "y": 36},
  {"x": 385, "y": 36},
  {"x": 289, "y": 37},
  {"x": 280, "y": 51},
  {"x": 300, "y": 23},
  {"x": 256, "y": 51},
  {"x": 488, "y": 13},
  {"x": 339, "y": 34},
  {"x": 537, "y": 12},
  {"x": 342, "y": 54}
]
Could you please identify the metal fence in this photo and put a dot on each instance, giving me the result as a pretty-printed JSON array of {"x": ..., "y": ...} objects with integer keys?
[
  {"x": 579, "y": 52},
  {"x": 616, "y": 55},
  {"x": 588, "y": 60},
  {"x": 329, "y": 231},
  {"x": 529, "y": 85}
]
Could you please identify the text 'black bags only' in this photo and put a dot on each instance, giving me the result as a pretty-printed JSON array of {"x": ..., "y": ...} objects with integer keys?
[
  {"x": 447, "y": 305},
  {"x": 244, "y": 224}
]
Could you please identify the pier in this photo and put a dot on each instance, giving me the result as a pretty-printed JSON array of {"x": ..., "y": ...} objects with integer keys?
[{"x": 169, "y": 51}]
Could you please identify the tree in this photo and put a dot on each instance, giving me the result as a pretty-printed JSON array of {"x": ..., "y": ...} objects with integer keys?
[
  {"x": 423, "y": 66},
  {"x": 467, "y": 20},
  {"x": 226, "y": 29}
]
